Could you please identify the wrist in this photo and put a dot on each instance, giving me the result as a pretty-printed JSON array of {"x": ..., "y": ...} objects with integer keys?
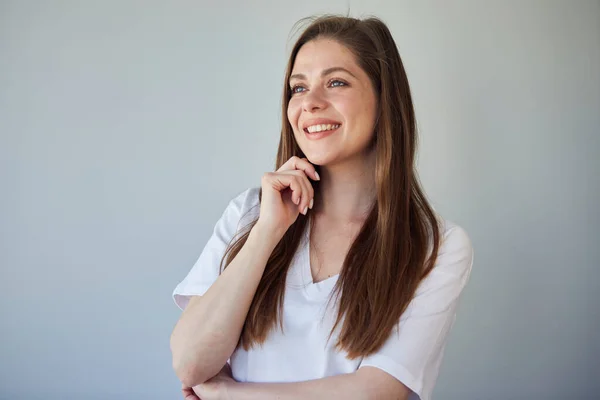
[{"x": 267, "y": 234}]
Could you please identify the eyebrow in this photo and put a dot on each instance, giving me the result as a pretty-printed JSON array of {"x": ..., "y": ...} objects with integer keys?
[{"x": 324, "y": 73}]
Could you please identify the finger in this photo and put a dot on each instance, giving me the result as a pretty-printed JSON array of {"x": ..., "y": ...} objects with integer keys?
[
  {"x": 308, "y": 192},
  {"x": 298, "y": 190},
  {"x": 280, "y": 181},
  {"x": 303, "y": 164},
  {"x": 188, "y": 394},
  {"x": 307, "y": 195}
]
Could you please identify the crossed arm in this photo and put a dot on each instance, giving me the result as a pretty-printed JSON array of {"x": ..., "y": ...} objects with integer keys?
[
  {"x": 365, "y": 384},
  {"x": 368, "y": 383}
]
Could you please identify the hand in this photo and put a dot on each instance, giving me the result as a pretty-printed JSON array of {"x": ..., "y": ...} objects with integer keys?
[
  {"x": 213, "y": 389},
  {"x": 188, "y": 393},
  {"x": 286, "y": 193}
]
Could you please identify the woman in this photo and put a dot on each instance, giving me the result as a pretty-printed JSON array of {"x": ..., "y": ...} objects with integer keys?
[{"x": 335, "y": 279}]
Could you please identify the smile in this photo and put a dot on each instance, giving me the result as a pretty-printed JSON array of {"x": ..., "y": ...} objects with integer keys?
[
  {"x": 321, "y": 127},
  {"x": 315, "y": 132}
]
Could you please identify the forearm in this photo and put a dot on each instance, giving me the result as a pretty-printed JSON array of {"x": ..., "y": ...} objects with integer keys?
[
  {"x": 209, "y": 329},
  {"x": 345, "y": 386}
]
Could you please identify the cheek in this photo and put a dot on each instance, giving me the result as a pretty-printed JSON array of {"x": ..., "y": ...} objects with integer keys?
[
  {"x": 364, "y": 110},
  {"x": 352, "y": 109},
  {"x": 293, "y": 113},
  {"x": 359, "y": 112}
]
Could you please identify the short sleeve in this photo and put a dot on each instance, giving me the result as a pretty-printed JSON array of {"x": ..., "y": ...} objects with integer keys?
[
  {"x": 207, "y": 267},
  {"x": 413, "y": 353}
]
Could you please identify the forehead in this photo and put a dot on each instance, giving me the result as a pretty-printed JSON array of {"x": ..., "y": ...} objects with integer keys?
[{"x": 323, "y": 53}]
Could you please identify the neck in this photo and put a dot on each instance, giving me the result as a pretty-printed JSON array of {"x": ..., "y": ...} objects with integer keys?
[{"x": 347, "y": 190}]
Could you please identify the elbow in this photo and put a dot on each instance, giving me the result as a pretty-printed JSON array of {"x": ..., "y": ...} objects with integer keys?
[
  {"x": 188, "y": 370},
  {"x": 193, "y": 365},
  {"x": 190, "y": 374}
]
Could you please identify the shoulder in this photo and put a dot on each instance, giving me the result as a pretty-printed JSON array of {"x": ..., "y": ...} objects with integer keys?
[
  {"x": 245, "y": 200},
  {"x": 455, "y": 253},
  {"x": 244, "y": 206},
  {"x": 454, "y": 236},
  {"x": 442, "y": 286}
]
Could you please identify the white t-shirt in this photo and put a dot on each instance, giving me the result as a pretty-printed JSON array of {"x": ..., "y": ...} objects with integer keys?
[{"x": 412, "y": 354}]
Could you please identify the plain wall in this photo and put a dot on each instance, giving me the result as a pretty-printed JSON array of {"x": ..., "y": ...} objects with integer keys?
[{"x": 126, "y": 127}]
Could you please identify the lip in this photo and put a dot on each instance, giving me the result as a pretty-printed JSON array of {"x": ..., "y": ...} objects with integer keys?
[
  {"x": 320, "y": 135},
  {"x": 318, "y": 121}
]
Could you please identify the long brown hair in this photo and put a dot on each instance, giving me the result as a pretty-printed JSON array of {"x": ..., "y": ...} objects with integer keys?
[{"x": 389, "y": 257}]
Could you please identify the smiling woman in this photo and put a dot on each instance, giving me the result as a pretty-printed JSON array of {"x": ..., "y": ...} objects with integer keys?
[{"x": 335, "y": 278}]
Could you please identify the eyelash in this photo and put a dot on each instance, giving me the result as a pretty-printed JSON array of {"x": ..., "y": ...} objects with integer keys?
[{"x": 293, "y": 88}]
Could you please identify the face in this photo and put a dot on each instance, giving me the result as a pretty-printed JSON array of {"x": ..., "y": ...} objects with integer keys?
[{"x": 333, "y": 105}]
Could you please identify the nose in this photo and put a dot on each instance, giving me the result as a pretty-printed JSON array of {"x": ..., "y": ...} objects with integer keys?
[{"x": 313, "y": 101}]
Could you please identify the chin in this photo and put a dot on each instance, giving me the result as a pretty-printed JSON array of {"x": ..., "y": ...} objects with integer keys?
[{"x": 319, "y": 159}]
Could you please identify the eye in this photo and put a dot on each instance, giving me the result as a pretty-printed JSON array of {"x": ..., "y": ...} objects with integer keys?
[
  {"x": 295, "y": 89},
  {"x": 337, "y": 83}
]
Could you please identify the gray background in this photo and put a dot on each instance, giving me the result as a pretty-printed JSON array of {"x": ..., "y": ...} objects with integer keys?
[{"x": 127, "y": 126}]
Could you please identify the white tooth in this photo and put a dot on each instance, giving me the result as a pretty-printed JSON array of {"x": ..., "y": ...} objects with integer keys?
[{"x": 322, "y": 127}]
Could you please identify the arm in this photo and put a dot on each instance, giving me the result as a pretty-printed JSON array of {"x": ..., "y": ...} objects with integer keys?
[
  {"x": 210, "y": 326},
  {"x": 365, "y": 384}
]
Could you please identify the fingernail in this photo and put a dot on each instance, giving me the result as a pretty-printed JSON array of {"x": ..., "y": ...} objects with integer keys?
[
  {"x": 297, "y": 201},
  {"x": 305, "y": 210},
  {"x": 312, "y": 203},
  {"x": 317, "y": 175}
]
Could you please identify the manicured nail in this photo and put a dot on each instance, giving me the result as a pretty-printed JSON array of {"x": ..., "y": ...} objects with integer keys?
[
  {"x": 297, "y": 201},
  {"x": 312, "y": 203},
  {"x": 317, "y": 175},
  {"x": 305, "y": 210}
]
